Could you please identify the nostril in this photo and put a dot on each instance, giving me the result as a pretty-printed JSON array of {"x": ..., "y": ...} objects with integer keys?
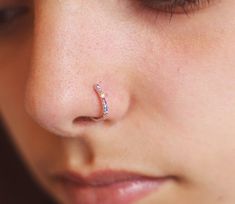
[{"x": 83, "y": 120}]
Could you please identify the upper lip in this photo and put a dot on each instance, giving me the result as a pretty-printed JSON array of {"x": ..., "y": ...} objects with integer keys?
[{"x": 105, "y": 178}]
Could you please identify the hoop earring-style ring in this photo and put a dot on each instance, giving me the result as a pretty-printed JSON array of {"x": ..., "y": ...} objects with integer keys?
[{"x": 104, "y": 103}]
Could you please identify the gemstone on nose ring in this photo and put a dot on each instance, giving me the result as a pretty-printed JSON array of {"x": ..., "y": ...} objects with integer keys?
[{"x": 105, "y": 108}]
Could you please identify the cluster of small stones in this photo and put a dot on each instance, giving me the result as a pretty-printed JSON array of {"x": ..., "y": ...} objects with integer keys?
[
  {"x": 105, "y": 107},
  {"x": 102, "y": 95}
]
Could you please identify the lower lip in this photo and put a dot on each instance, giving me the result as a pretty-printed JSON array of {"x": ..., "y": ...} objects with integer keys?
[{"x": 126, "y": 192}]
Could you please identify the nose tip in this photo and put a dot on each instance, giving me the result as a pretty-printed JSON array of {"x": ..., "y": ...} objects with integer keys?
[
  {"x": 70, "y": 112},
  {"x": 65, "y": 112}
]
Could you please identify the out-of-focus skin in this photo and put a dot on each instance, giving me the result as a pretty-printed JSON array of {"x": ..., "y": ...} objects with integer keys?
[{"x": 170, "y": 86}]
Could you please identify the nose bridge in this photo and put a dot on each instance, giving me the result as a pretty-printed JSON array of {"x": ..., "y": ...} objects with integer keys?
[
  {"x": 69, "y": 29},
  {"x": 57, "y": 34},
  {"x": 60, "y": 84},
  {"x": 68, "y": 37}
]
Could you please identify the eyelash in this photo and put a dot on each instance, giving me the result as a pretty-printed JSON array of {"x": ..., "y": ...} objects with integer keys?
[{"x": 174, "y": 6}]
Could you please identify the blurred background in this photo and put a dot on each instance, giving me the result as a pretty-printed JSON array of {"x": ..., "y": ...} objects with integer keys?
[{"x": 16, "y": 184}]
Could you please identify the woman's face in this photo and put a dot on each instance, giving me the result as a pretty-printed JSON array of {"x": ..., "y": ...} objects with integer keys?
[{"x": 169, "y": 77}]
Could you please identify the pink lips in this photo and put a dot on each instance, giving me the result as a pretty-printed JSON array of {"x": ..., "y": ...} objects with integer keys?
[{"x": 108, "y": 187}]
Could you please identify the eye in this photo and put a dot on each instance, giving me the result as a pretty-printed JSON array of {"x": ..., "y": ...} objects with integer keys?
[
  {"x": 175, "y": 6},
  {"x": 10, "y": 14}
]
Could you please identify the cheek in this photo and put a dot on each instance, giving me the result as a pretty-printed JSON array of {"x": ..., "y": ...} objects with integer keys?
[
  {"x": 14, "y": 60},
  {"x": 26, "y": 134},
  {"x": 192, "y": 68},
  {"x": 191, "y": 75},
  {"x": 13, "y": 74},
  {"x": 204, "y": 78}
]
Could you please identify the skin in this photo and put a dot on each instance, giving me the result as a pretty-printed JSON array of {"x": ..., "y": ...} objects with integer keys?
[{"x": 170, "y": 87}]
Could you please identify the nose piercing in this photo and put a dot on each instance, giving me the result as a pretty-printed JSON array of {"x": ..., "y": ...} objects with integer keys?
[{"x": 102, "y": 97}]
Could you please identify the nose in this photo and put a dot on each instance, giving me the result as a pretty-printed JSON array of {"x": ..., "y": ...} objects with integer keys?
[{"x": 68, "y": 58}]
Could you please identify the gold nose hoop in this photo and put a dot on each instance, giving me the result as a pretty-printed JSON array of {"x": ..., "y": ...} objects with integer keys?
[{"x": 105, "y": 108}]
